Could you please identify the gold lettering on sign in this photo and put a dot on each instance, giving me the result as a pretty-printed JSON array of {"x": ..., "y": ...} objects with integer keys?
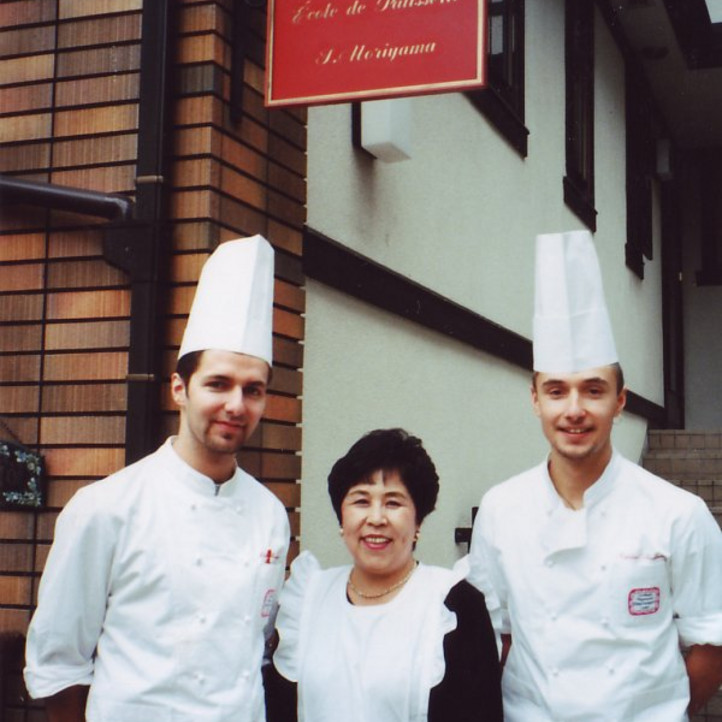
[
  {"x": 390, "y": 52},
  {"x": 307, "y": 12},
  {"x": 329, "y": 56},
  {"x": 384, "y": 5},
  {"x": 355, "y": 8}
]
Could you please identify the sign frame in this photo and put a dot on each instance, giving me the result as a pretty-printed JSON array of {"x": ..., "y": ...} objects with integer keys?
[{"x": 333, "y": 51}]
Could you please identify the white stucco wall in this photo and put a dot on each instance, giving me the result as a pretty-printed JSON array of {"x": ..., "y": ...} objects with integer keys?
[
  {"x": 460, "y": 217},
  {"x": 367, "y": 369}
]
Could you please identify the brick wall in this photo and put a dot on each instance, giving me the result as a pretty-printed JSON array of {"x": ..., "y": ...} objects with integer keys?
[{"x": 69, "y": 108}]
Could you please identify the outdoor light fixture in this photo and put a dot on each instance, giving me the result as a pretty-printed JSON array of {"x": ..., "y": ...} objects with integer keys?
[{"x": 385, "y": 129}]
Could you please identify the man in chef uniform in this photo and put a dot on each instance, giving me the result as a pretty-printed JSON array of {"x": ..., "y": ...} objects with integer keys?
[
  {"x": 163, "y": 577},
  {"x": 597, "y": 570}
]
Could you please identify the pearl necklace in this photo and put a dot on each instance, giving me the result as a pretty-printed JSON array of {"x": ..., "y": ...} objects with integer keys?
[{"x": 392, "y": 588}]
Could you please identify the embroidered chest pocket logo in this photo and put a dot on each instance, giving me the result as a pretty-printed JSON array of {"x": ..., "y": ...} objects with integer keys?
[
  {"x": 643, "y": 601},
  {"x": 640, "y": 590}
]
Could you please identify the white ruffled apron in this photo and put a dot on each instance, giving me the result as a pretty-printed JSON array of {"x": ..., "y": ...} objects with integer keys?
[{"x": 363, "y": 663}]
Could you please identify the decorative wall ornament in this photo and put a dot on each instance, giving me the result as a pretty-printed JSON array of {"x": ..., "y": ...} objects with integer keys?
[{"x": 22, "y": 476}]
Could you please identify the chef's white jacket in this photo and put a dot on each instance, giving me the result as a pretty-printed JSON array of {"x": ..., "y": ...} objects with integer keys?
[
  {"x": 156, "y": 593},
  {"x": 599, "y": 600}
]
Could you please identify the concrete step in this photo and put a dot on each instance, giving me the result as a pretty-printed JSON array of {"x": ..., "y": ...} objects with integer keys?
[
  {"x": 685, "y": 463},
  {"x": 680, "y": 439},
  {"x": 691, "y": 460}
]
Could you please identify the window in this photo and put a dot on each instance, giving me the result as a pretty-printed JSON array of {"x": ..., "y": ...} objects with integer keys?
[
  {"x": 579, "y": 72},
  {"x": 502, "y": 101},
  {"x": 710, "y": 272},
  {"x": 640, "y": 152},
  {"x": 506, "y": 51}
]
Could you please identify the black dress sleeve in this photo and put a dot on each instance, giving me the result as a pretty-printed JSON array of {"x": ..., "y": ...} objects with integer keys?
[
  {"x": 281, "y": 696},
  {"x": 471, "y": 688}
]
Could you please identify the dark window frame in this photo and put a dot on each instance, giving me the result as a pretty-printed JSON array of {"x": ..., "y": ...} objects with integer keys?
[
  {"x": 579, "y": 110},
  {"x": 710, "y": 270},
  {"x": 641, "y": 161},
  {"x": 502, "y": 100},
  {"x": 699, "y": 39}
]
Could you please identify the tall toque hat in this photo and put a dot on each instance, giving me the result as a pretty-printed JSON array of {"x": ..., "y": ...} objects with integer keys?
[
  {"x": 572, "y": 331},
  {"x": 233, "y": 306}
]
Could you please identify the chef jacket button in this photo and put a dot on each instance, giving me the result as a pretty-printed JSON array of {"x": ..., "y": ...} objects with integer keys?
[
  {"x": 202, "y": 618},
  {"x": 200, "y": 678},
  {"x": 239, "y": 508},
  {"x": 555, "y": 672},
  {"x": 610, "y": 669},
  {"x": 603, "y": 567},
  {"x": 553, "y": 617},
  {"x": 247, "y": 619},
  {"x": 199, "y": 561},
  {"x": 550, "y": 562},
  {"x": 605, "y": 621},
  {"x": 246, "y": 562},
  {"x": 194, "y": 507},
  {"x": 245, "y": 674}
]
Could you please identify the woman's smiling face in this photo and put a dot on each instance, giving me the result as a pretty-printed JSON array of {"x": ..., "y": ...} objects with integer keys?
[{"x": 378, "y": 518}]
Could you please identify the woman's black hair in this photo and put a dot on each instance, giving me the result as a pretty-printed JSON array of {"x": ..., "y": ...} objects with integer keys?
[{"x": 387, "y": 450}]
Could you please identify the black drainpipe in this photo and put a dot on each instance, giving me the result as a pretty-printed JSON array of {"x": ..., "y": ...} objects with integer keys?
[
  {"x": 136, "y": 240},
  {"x": 77, "y": 200},
  {"x": 141, "y": 247}
]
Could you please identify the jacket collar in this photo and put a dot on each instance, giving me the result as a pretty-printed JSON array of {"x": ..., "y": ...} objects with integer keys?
[
  {"x": 564, "y": 528},
  {"x": 193, "y": 480}
]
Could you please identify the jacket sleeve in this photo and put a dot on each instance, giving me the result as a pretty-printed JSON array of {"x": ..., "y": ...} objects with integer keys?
[
  {"x": 269, "y": 629},
  {"x": 288, "y": 656},
  {"x": 471, "y": 688},
  {"x": 485, "y": 572},
  {"x": 696, "y": 577},
  {"x": 72, "y": 597}
]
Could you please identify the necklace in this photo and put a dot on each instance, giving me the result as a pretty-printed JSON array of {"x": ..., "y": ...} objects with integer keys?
[{"x": 378, "y": 595}]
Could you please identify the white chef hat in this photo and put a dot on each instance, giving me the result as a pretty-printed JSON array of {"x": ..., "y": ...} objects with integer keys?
[
  {"x": 572, "y": 331},
  {"x": 233, "y": 306}
]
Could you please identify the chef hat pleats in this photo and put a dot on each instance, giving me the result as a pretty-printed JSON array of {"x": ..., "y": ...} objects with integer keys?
[
  {"x": 233, "y": 306},
  {"x": 572, "y": 331}
]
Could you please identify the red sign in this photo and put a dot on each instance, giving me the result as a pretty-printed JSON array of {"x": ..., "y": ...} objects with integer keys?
[{"x": 327, "y": 51}]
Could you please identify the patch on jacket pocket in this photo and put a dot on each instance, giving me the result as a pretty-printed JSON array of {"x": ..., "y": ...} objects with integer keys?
[{"x": 643, "y": 601}]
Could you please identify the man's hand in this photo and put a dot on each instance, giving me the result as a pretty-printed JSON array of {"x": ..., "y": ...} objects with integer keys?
[
  {"x": 68, "y": 705},
  {"x": 704, "y": 668}
]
